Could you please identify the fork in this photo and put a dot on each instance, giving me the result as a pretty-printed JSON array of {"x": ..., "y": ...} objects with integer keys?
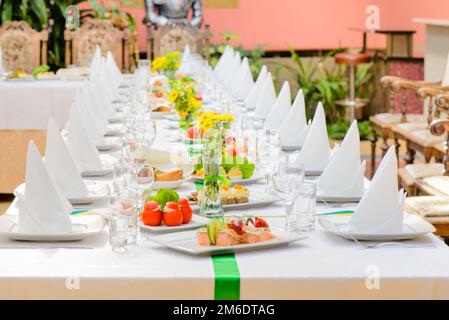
[{"x": 387, "y": 244}]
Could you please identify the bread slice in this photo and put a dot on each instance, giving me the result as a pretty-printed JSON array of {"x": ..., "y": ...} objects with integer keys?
[{"x": 174, "y": 175}]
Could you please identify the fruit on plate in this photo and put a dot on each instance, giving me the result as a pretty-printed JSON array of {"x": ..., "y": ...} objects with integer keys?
[
  {"x": 166, "y": 207},
  {"x": 193, "y": 133},
  {"x": 235, "y": 173},
  {"x": 174, "y": 175},
  {"x": 233, "y": 232},
  {"x": 18, "y": 74},
  {"x": 152, "y": 214},
  {"x": 186, "y": 210},
  {"x": 172, "y": 216}
]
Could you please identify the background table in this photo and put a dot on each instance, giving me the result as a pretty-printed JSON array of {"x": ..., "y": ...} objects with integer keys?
[
  {"x": 25, "y": 107},
  {"x": 324, "y": 266}
]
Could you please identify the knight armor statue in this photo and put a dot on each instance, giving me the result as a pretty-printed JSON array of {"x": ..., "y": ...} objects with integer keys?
[{"x": 161, "y": 13}]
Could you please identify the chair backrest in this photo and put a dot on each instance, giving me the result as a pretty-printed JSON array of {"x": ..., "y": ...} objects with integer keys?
[
  {"x": 439, "y": 128},
  {"x": 23, "y": 48},
  {"x": 164, "y": 40},
  {"x": 81, "y": 43}
]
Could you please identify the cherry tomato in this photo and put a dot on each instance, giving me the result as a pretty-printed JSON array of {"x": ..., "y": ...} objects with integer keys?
[
  {"x": 186, "y": 210},
  {"x": 198, "y": 97},
  {"x": 172, "y": 216},
  {"x": 151, "y": 215},
  {"x": 193, "y": 133}
]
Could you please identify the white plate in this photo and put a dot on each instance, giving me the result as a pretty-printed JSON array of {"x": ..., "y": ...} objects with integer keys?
[
  {"x": 196, "y": 223},
  {"x": 110, "y": 143},
  {"x": 97, "y": 173},
  {"x": 332, "y": 199},
  {"x": 83, "y": 227},
  {"x": 168, "y": 184},
  {"x": 160, "y": 115},
  {"x": 290, "y": 148},
  {"x": 256, "y": 200},
  {"x": 186, "y": 242},
  {"x": 255, "y": 178},
  {"x": 115, "y": 129},
  {"x": 414, "y": 226},
  {"x": 95, "y": 194},
  {"x": 313, "y": 173}
]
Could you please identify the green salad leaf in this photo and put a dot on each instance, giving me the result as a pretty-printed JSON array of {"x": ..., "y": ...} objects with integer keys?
[
  {"x": 242, "y": 163},
  {"x": 163, "y": 196},
  {"x": 40, "y": 69}
]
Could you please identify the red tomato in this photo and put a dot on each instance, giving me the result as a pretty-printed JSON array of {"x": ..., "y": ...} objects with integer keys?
[
  {"x": 172, "y": 216},
  {"x": 151, "y": 215},
  {"x": 198, "y": 97},
  {"x": 159, "y": 95},
  {"x": 193, "y": 133},
  {"x": 232, "y": 150},
  {"x": 186, "y": 210}
]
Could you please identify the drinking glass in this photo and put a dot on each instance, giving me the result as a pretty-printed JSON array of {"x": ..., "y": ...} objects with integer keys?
[
  {"x": 288, "y": 180},
  {"x": 303, "y": 218},
  {"x": 118, "y": 232},
  {"x": 135, "y": 150},
  {"x": 126, "y": 205},
  {"x": 118, "y": 184},
  {"x": 267, "y": 153}
]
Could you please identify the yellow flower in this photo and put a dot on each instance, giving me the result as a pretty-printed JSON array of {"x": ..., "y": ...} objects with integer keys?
[{"x": 173, "y": 96}]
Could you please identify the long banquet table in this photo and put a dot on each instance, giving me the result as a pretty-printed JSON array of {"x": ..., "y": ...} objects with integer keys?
[
  {"x": 25, "y": 107},
  {"x": 323, "y": 266}
]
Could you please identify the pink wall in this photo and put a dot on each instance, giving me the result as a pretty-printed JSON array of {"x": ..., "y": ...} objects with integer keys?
[{"x": 314, "y": 24}]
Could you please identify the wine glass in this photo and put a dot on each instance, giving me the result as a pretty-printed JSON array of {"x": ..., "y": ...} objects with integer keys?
[
  {"x": 267, "y": 153},
  {"x": 288, "y": 181}
]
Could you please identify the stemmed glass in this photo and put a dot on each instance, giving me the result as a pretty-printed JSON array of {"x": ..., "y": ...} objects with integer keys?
[
  {"x": 288, "y": 181},
  {"x": 267, "y": 153}
]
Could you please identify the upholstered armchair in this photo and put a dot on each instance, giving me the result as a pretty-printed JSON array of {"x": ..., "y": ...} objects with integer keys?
[
  {"x": 81, "y": 43},
  {"x": 23, "y": 48},
  {"x": 163, "y": 40}
]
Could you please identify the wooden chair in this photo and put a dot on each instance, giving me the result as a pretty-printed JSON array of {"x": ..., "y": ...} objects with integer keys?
[
  {"x": 164, "y": 40},
  {"x": 23, "y": 48},
  {"x": 80, "y": 44}
]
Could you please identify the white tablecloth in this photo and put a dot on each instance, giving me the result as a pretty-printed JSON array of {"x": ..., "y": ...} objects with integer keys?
[
  {"x": 27, "y": 105},
  {"x": 323, "y": 266}
]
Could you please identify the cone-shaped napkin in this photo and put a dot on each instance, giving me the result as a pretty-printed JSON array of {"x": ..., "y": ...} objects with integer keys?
[
  {"x": 280, "y": 109},
  {"x": 61, "y": 166},
  {"x": 245, "y": 81},
  {"x": 294, "y": 128},
  {"x": 86, "y": 101},
  {"x": 267, "y": 98},
  {"x": 83, "y": 151},
  {"x": 96, "y": 92},
  {"x": 113, "y": 68},
  {"x": 233, "y": 70},
  {"x": 224, "y": 63},
  {"x": 43, "y": 209},
  {"x": 2, "y": 68},
  {"x": 315, "y": 153},
  {"x": 95, "y": 63},
  {"x": 253, "y": 96},
  {"x": 79, "y": 111},
  {"x": 344, "y": 175},
  {"x": 381, "y": 209}
]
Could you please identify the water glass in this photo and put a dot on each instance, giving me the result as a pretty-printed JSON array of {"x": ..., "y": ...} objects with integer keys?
[
  {"x": 118, "y": 232},
  {"x": 126, "y": 205},
  {"x": 303, "y": 217},
  {"x": 267, "y": 153},
  {"x": 119, "y": 183}
]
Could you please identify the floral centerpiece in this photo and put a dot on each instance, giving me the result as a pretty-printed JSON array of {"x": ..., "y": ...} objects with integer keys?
[
  {"x": 167, "y": 64},
  {"x": 214, "y": 127},
  {"x": 184, "y": 97}
]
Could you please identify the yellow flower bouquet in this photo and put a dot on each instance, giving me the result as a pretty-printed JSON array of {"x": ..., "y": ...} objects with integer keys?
[
  {"x": 167, "y": 64},
  {"x": 183, "y": 96}
]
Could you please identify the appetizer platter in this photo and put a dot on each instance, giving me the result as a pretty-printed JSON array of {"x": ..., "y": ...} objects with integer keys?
[
  {"x": 234, "y": 198},
  {"x": 222, "y": 236},
  {"x": 167, "y": 212}
]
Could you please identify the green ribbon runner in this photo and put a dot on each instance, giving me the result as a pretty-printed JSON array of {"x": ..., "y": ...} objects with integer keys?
[
  {"x": 227, "y": 277},
  {"x": 227, "y": 274}
]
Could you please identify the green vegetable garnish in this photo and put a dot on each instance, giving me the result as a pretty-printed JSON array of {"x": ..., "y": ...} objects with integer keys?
[
  {"x": 40, "y": 69},
  {"x": 212, "y": 228},
  {"x": 243, "y": 164},
  {"x": 163, "y": 196}
]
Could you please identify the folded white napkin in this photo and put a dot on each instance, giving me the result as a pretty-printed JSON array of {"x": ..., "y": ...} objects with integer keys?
[
  {"x": 61, "y": 166},
  {"x": 185, "y": 60},
  {"x": 80, "y": 112},
  {"x": 445, "y": 81},
  {"x": 245, "y": 82},
  {"x": 267, "y": 98},
  {"x": 381, "y": 209},
  {"x": 316, "y": 153},
  {"x": 43, "y": 209},
  {"x": 280, "y": 109},
  {"x": 104, "y": 104},
  {"x": 113, "y": 69},
  {"x": 95, "y": 62},
  {"x": 233, "y": 70},
  {"x": 107, "y": 88},
  {"x": 86, "y": 101},
  {"x": 83, "y": 150},
  {"x": 224, "y": 63},
  {"x": 2, "y": 68},
  {"x": 294, "y": 128},
  {"x": 344, "y": 175},
  {"x": 253, "y": 95}
]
